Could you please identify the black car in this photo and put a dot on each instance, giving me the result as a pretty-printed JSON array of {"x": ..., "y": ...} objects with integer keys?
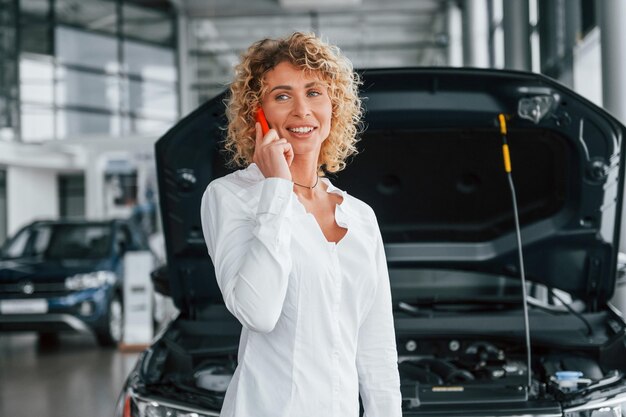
[
  {"x": 473, "y": 337},
  {"x": 59, "y": 275}
]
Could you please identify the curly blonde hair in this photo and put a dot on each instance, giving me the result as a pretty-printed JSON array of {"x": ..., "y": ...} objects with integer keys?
[{"x": 308, "y": 52}]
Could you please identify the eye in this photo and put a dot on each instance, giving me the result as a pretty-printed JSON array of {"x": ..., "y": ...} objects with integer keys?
[
  {"x": 281, "y": 97},
  {"x": 314, "y": 93}
]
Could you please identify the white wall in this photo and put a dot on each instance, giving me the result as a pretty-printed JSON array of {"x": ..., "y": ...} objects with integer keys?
[{"x": 31, "y": 194}]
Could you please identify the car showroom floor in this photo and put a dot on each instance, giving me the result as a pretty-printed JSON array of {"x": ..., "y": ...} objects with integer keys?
[{"x": 67, "y": 377}]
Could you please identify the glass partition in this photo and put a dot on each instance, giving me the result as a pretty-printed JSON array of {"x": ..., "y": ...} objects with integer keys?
[
  {"x": 88, "y": 50},
  {"x": 72, "y": 195},
  {"x": 9, "y": 93},
  {"x": 95, "y": 68},
  {"x": 36, "y": 79},
  {"x": 79, "y": 124},
  {"x": 92, "y": 90},
  {"x": 37, "y": 122},
  {"x": 149, "y": 61},
  {"x": 153, "y": 100}
]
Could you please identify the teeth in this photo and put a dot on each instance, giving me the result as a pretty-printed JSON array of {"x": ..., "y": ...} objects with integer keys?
[{"x": 301, "y": 129}]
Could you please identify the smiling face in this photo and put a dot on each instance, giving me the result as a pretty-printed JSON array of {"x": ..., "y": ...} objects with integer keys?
[{"x": 298, "y": 107}]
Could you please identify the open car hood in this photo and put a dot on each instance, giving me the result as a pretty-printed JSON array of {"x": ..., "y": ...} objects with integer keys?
[{"x": 431, "y": 167}]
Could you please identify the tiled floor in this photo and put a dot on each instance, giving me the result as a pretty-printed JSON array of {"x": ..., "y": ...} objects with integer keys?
[{"x": 68, "y": 377}]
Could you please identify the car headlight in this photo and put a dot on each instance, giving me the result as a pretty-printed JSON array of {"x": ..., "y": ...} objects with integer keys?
[
  {"x": 89, "y": 280},
  {"x": 137, "y": 406},
  {"x": 606, "y": 408}
]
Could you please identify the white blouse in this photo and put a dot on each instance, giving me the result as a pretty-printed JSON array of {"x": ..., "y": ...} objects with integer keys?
[{"x": 317, "y": 316}]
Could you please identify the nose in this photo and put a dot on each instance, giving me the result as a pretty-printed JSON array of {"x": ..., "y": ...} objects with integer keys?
[{"x": 300, "y": 107}]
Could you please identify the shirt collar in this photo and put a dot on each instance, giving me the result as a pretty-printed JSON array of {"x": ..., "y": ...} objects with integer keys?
[
  {"x": 253, "y": 172},
  {"x": 343, "y": 213}
]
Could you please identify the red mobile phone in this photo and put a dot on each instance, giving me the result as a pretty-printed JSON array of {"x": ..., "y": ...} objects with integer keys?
[{"x": 260, "y": 117}]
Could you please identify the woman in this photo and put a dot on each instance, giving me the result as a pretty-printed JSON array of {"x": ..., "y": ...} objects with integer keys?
[{"x": 299, "y": 262}]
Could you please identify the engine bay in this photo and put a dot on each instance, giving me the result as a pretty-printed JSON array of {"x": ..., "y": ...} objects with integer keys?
[{"x": 435, "y": 370}]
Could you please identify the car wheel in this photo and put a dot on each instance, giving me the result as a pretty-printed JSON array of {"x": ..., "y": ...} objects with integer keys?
[{"x": 111, "y": 333}]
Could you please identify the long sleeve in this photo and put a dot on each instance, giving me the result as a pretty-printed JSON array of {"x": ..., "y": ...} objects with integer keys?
[
  {"x": 377, "y": 356},
  {"x": 250, "y": 252}
]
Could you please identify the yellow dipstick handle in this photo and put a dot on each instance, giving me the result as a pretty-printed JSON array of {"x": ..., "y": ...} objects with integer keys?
[
  {"x": 505, "y": 147},
  {"x": 502, "y": 123},
  {"x": 507, "y": 158}
]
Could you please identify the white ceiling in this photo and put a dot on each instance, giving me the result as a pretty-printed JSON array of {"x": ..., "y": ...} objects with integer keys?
[
  {"x": 213, "y": 8},
  {"x": 372, "y": 33}
]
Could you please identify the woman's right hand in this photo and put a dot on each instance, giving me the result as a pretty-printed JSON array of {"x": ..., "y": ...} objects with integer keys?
[{"x": 272, "y": 154}]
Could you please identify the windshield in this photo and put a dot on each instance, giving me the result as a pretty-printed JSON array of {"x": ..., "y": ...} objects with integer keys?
[{"x": 66, "y": 241}]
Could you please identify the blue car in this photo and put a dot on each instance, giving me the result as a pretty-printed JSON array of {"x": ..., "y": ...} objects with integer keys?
[{"x": 67, "y": 276}]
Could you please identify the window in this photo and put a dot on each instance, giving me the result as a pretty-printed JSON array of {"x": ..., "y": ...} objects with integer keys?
[
  {"x": 588, "y": 15},
  {"x": 86, "y": 90},
  {"x": 72, "y": 196},
  {"x": 28, "y": 242},
  {"x": 150, "y": 62},
  {"x": 125, "y": 185},
  {"x": 9, "y": 41},
  {"x": 90, "y": 50},
  {"x": 61, "y": 241},
  {"x": 37, "y": 123},
  {"x": 82, "y": 241},
  {"x": 36, "y": 79},
  {"x": 37, "y": 96},
  {"x": 41, "y": 239},
  {"x": 153, "y": 100},
  {"x": 74, "y": 124},
  {"x": 35, "y": 27},
  {"x": 93, "y": 68},
  {"x": 17, "y": 246},
  {"x": 152, "y": 90}
]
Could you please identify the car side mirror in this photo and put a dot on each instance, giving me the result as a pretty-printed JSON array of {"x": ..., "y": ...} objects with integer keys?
[{"x": 122, "y": 247}]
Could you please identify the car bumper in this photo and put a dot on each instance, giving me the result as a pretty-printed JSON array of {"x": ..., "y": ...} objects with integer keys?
[
  {"x": 77, "y": 311},
  {"x": 42, "y": 323}
]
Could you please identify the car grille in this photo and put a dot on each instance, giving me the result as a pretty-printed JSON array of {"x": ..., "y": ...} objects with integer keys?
[{"x": 40, "y": 289}]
